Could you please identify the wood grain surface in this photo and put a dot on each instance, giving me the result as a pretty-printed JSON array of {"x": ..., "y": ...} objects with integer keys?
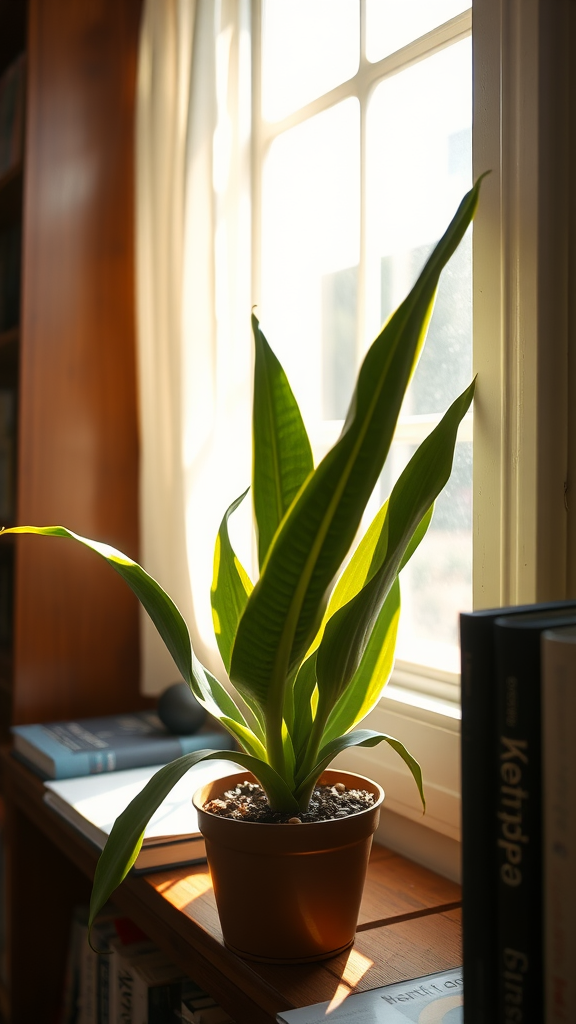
[
  {"x": 76, "y": 623},
  {"x": 406, "y": 931}
]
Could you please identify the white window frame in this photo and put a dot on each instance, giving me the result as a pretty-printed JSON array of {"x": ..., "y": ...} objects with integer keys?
[{"x": 524, "y": 518}]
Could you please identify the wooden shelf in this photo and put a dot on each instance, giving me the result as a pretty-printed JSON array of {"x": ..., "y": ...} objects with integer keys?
[
  {"x": 409, "y": 921},
  {"x": 9, "y": 339},
  {"x": 11, "y": 188}
]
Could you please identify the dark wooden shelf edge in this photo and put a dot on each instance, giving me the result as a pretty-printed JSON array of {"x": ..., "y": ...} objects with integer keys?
[
  {"x": 8, "y": 178},
  {"x": 11, "y": 192},
  {"x": 9, "y": 338},
  {"x": 4, "y": 1003},
  {"x": 237, "y": 984}
]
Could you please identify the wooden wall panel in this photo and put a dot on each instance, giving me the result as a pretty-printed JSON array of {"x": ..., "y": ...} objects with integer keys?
[{"x": 76, "y": 638}]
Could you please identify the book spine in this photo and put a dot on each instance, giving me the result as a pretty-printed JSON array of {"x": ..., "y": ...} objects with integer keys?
[
  {"x": 559, "y": 783},
  {"x": 104, "y": 990},
  {"x": 88, "y": 983},
  {"x": 94, "y": 762},
  {"x": 69, "y": 1013},
  {"x": 143, "y": 754},
  {"x": 519, "y": 826},
  {"x": 478, "y": 744},
  {"x": 206, "y": 741},
  {"x": 163, "y": 1002},
  {"x": 124, "y": 994}
]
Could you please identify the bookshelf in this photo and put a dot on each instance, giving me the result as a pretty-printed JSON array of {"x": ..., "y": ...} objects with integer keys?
[{"x": 409, "y": 921}]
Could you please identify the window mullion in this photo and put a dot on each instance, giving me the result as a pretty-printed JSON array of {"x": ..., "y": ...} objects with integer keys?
[{"x": 369, "y": 74}]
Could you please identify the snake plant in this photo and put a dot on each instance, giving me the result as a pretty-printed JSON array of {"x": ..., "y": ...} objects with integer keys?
[{"x": 308, "y": 658}]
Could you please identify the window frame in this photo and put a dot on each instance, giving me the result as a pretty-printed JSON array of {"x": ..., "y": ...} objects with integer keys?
[
  {"x": 524, "y": 516},
  {"x": 413, "y": 429}
]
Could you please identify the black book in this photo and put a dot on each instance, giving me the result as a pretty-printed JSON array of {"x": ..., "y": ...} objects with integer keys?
[
  {"x": 519, "y": 812},
  {"x": 479, "y": 745}
]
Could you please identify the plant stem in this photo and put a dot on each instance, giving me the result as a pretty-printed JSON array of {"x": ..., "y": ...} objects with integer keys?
[
  {"x": 274, "y": 745},
  {"x": 312, "y": 752},
  {"x": 306, "y": 795}
]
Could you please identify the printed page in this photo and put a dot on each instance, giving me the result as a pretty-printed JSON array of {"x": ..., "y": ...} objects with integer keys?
[
  {"x": 435, "y": 999},
  {"x": 101, "y": 798}
]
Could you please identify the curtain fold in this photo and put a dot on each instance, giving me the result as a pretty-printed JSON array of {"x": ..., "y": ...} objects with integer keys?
[{"x": 193, "y": 300}]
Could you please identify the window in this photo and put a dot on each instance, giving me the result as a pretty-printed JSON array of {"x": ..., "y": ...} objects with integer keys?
[
  {"x": 362, "y": 151},
  {"x": 335, "y": 227}
]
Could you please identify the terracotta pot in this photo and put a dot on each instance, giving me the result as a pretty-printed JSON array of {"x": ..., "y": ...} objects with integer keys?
[{"x": 288, "y": 893}]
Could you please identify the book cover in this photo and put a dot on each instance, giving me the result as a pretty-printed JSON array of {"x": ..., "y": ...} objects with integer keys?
[
  {"x": 157, "y": 990},
  {"x": 478, "y": 756},
  {"x": 124, "y": 953},
  {"x": 89, "y": 746},
  {"x": 518, "y": 813},
  {"x": 90, "y": 961},
  {"x": 559, "y": 793},
  {"x": 91, "y": 804},
  {"x": 435, "y": 999},
  {"x": 69, "y": 1009}
]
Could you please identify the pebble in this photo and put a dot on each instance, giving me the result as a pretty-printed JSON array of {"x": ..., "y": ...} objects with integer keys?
[
  {"x": 338, "y": 788},
  {"x": 294, "y": 821}
]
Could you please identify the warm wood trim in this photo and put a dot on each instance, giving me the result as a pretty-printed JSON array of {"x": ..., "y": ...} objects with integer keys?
[{"x": 76, "y": 645}]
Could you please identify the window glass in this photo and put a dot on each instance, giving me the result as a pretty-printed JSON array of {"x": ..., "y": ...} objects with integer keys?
[
  {"x": 418, "y": 168},
  {"x": 322, "y": 298},
  {"x": 391, "y": 25},
  {"x": 307, "y": 49},
  {"x": 310, "y": 253}
]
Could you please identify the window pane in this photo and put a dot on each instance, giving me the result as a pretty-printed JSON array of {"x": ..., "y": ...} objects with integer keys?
[
  {"x": 437, "y": 582},
  {"x": 308, "y": 48},
  {"x": 391, "y": 25},
  {"x": 418, "y": 168},
  {"x": 310, "y": 252}
]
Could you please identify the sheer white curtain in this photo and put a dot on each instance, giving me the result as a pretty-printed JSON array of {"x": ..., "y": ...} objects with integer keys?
[{"x": 193, "y": 299}]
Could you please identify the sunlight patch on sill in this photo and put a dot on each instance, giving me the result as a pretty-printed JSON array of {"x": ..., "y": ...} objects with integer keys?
[{"x": 417, "y": 700}]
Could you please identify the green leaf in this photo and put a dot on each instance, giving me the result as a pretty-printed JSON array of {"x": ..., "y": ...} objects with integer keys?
[
  {"x": 348, "y": 631},
  {"x": 285, "y": 608},
  {"x": 170, "y": 625},
  {"x": 218, "y": 703},
  {"x": 289, "y": 757},
  {"x": 247, "y": 739},
  {"x": 359, "y": 738},
  {"x": 160, "y": 607},
  {"x": 282, "y": 452},
  {"x": 365, "y": 561},
  {"x": 301, "y": 725},
  {"x": 231, "y": 587},
  {"x": 375, "y": 668},
  {"x": 372, "y": 674},
  {"x": 127, "y": 833}
]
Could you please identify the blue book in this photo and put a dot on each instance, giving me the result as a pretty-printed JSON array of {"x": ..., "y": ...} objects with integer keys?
[{"x": 65, "y": 750}]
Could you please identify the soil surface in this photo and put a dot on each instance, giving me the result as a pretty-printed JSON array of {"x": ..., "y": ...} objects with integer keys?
[{"x": 247, "y": 801}]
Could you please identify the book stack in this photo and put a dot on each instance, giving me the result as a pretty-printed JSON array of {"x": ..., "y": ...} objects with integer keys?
[
  {"x": 91, "y": 746},
  {"x": 129, "y": 980},
  {"x": 518, "y": 814},
  {"x": 172, "y": 838},
  {"x": 12, "y": 85}
]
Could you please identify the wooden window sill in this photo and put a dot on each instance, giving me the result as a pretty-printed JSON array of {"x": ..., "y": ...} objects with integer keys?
[{"x": 409, "y": 921}]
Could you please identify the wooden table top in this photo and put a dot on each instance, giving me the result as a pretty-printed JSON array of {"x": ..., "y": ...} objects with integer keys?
[{"x": 409, "y": 923}]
